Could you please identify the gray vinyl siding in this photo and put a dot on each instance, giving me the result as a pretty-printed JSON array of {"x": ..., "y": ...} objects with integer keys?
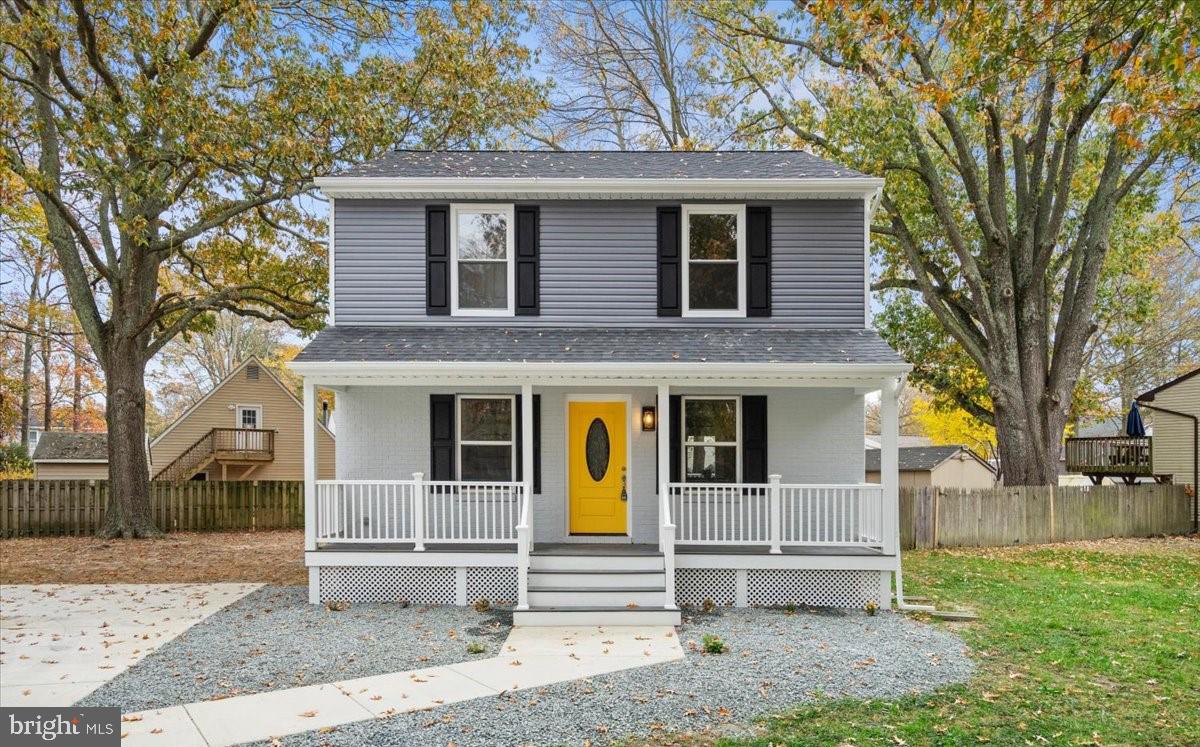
[
  {"x": 599, "y": 265},
  {"x": 813, "y": 436}
]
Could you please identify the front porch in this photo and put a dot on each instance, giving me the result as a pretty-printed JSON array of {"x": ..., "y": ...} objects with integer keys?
[{"x": 602, "y": 489}]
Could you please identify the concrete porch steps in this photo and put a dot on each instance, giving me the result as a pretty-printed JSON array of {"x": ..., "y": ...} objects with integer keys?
[{"x": 597, "y": 585}]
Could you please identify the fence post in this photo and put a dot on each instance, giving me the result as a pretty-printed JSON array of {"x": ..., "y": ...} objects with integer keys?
[
  {"x": 418, "y": 511},
  {"x": 775, "y": 530}
]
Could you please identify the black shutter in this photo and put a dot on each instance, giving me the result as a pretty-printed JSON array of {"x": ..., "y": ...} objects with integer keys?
[
  {"x": 441, "y": 437},
  {"x": 670, "y": 301},
  {"x": 437, "y": 260},
  {"x": 537, "y": 442},
  {"x": 528, "y": 235},
  {"x": 754, "y": 439},
  {"x": 758, "y": 261},
  {"x": 676, "y": 435}
]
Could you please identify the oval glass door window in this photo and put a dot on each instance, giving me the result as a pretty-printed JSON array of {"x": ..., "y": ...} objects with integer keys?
[{"x": 596, "y": 449}]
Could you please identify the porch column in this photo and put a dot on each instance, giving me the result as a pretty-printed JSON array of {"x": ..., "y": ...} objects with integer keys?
[
  {"x": 527, "y": 449},
  {"x": 889, "y": 462},
  {"x": 666, "y": 522},
  {"x": 310, "y": 464}
]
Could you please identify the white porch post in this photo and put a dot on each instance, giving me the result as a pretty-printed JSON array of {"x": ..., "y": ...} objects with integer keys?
[
  {"x": 889, "y": 463},
  {"x": 310, "y": 464},
  {"x": 666, "y": 531},
  {"x": 775, "y": 518},
  {"x": 418, "y": 511},
  {"x": 527, "y": 449},
  {"x": 524, "y": 527}
]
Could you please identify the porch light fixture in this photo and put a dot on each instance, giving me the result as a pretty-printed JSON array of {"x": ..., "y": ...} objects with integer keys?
[{"x": 649, "y": 418}]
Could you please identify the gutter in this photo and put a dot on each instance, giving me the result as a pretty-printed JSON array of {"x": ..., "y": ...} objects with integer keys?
[{"x": 1195, "y": 457}]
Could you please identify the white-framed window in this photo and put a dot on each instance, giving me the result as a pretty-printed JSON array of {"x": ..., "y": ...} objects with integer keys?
[
  {"x": 482, "y": 251},
  {"x": 486, "y": 436},
  {"x": 714, "y": 260},
  {"x": 249, "y": 416},
  {"x": 712, "y": 448}
]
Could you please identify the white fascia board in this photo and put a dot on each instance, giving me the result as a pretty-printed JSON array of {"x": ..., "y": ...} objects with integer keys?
[
  {"x": 611, "y": 369},
  {"x": 335, "y": 186}
]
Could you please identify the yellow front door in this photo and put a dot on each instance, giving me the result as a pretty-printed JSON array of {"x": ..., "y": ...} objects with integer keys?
[{"x": 597, "y": 467}]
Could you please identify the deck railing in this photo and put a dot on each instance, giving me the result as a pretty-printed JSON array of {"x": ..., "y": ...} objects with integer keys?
[
  {"x": 418, "y": 511},
  {"x": 777, "y": 514},
  {"x": 1110, "y": 455}
]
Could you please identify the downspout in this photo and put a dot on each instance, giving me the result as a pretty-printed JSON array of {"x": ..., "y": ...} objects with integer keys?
[{"x": 1195, "y": 458}]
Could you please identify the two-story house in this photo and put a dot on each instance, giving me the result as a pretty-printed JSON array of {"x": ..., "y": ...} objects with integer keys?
[{"x": 601, "y": 385}]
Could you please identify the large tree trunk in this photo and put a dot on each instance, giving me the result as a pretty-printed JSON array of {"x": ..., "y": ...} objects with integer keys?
[
  {"x": 47, "y": 382},
  {"x": 128, "y": 513},
  {"x": 1028, "y": 435},
  {"x": 26, "y": 388}
]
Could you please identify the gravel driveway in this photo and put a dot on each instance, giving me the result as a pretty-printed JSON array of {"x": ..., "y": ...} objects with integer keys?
[{"x": 274, "y": 639}]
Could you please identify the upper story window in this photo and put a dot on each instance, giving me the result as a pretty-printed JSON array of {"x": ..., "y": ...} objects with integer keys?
[
  {"x": 714, "y": 243},
  {"x": 711, "y": 447},
  {"x": 481, "y": 250}
]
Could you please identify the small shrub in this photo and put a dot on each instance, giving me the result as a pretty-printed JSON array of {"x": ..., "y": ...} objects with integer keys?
[
  {"x": 789, "y": 608},
  {"x": 871, "y": 608},
  {"x": 337, "y": 605},
  {"x": 15, "y": 462},
  {"x": 475, "y": 647},
  {"x": 713, "y": 644},
  {"x": 709, "y": 605},
  {"x": 482, "y": 604}
]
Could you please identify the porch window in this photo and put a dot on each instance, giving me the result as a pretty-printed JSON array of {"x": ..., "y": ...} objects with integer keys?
[
  {"x": 711, "y": 450},
  {"x": 486, "y": 433},
  {"x": 714, "y": 239},
  {"x": 481, "y": 273}
]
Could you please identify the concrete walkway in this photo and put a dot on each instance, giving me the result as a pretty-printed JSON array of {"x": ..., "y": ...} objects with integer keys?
[
  {"x": 60, "y": 642},
  {"x": 531, "y": 657}
]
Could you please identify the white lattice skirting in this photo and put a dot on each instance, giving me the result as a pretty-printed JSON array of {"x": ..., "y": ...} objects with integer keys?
[
  {"x": 419, "y": 585},
  {"x": 763, "y": 587}
]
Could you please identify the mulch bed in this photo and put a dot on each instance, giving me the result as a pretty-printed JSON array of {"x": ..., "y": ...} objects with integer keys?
[{"x": 272, "y": 557}]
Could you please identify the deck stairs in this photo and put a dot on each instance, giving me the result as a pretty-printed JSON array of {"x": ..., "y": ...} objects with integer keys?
[
  {"x": 243, "y": 446},
  {"x": 596, "y": 585}
]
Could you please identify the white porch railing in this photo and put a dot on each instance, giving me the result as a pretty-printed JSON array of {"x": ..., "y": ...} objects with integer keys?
[
  {"x": 418, "y": 511},
  {"x": 777, "y": 514}
]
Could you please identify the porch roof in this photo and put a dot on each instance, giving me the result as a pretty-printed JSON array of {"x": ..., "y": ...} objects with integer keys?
[{"x": 542, "y": 345}]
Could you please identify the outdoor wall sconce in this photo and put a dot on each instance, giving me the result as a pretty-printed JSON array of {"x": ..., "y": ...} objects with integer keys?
[{"x": 649, "y": 418}]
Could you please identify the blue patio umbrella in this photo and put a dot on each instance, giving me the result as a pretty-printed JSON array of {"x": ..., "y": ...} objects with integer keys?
[{"x": 1133, "y": 422}]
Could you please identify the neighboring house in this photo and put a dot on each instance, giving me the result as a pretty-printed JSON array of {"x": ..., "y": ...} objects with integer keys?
[
  {"x": 66, "y": 455},
  {"x": 1168, "y": 451},
  {"x": 873, "y": 441},
  {"x": 248, "y": 427},
  {"x": 601, "y": 385},
  {"x": 937, "y": 466},
  {"x": 1174, "y": 410}
]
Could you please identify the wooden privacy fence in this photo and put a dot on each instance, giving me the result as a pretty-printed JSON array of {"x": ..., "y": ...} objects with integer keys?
[
  {"x": 950, "y": 517},
  {"x": 50, "y": 507}
]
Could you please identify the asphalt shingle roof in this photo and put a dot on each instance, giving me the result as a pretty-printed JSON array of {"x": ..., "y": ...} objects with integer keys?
[
  {"x": 603, "y": 165},
  {"x": 71, "y": 446},
  {"x": 590, "y": 345},
  {"x": 916, "y": 458}
]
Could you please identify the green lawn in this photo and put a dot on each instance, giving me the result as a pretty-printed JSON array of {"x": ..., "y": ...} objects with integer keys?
[{"x": 1088, "y": 644}]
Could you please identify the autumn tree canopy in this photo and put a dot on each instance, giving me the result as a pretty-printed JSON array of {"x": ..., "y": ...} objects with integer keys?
[
  {"x": 171, "y": 147},
  {"x": 1011, "y": 136}
]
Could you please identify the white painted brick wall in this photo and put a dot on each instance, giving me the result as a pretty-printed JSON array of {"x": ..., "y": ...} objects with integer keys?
[{"x": 815, "y": 435}]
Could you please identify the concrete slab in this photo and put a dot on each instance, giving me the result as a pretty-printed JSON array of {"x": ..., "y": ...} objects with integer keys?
[
  {"x": 251, "y": 718},
  {"x": 412, "y": 691},
  {"x": 59, "y": 642},
  {"x": 165, "y": 727}
]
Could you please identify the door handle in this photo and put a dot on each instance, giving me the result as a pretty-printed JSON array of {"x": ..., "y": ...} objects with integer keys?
[{"x": 624, "y": 485}]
